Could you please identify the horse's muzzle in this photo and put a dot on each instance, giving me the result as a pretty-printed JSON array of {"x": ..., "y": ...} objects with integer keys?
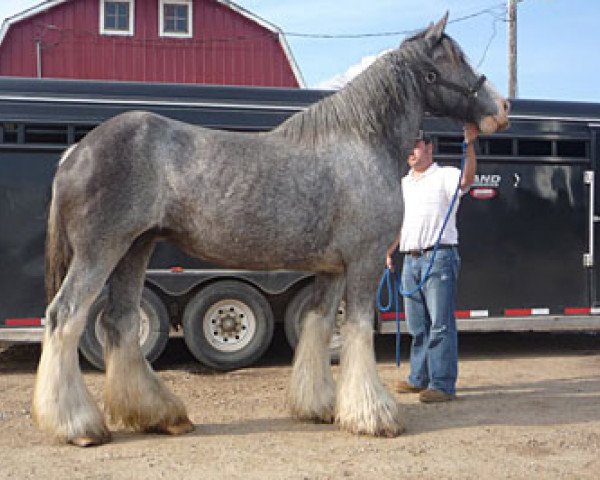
[{"x": 498, "y": 122}]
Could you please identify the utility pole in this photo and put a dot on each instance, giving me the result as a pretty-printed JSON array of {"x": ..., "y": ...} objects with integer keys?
[{"x": 512, "y": 48}]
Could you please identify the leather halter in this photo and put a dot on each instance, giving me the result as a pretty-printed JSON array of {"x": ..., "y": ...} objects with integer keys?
[{"x": 433, "y": 76}]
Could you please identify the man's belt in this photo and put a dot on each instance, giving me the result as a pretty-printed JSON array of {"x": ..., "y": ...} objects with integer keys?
[{"x": 420, "y": 251}]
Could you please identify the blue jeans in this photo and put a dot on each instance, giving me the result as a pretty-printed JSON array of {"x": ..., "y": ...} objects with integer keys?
[{"x": 430, "y": 317}]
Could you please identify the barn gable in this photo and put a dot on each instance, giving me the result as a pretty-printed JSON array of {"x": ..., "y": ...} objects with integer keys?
[{"x": 223, "y": 44}]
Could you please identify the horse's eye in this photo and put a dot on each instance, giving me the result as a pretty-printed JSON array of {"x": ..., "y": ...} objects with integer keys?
[{"x": 430, "y": 77}]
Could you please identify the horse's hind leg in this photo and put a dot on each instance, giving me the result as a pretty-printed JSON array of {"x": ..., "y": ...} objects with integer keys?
[
  {"x": 62, "y": 404},
  {"x": 134, "y": 395},
  {"x": 311, "y": 395},
  {"x": 364, "y": 405}
]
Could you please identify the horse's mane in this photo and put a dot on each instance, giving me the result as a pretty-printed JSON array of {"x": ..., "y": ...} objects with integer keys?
[
  {"x": 361, "y": 107},
  {"x": 368, "y": 105}
]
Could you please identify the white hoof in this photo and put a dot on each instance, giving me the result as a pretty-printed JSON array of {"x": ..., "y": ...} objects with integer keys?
[
  {"x": 135, "y": 397},
  {"x": 369, "y": 413},
  {"x": 62, "y": 404},
  {"x": 311, "y": 400},
  {"x": 364, "y": 406}
]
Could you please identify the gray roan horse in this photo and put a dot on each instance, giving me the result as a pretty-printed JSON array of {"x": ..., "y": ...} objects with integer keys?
[{"x": 319, "y": 193}]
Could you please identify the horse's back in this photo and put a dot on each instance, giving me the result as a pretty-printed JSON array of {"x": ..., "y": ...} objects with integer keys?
[{"x": 109, "y": 180}]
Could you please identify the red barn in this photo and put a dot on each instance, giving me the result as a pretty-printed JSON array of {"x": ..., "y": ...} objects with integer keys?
[{"x": 179, "y": 41}]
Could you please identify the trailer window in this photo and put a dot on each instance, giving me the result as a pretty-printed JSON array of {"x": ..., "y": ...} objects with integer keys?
[
  {"x": 81, "y": 131},
  {"x": 500, "y": 146},
  {"x": 571, "y": 148},
  {"x": 535, "y": 148},
  {"x": 10, "y": 133},
  {"x": 46, "y": 134},
  {"x": 449, "y": 145}
]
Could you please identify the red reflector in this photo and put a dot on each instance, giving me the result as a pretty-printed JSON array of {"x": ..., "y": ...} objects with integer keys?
[
  {"x": 483, "y": 193},
  {"x": 517, "y": 312},
  {"x": 177, "y": 269},
  {"x": 391, "y": 315},
  {"x": 23, "y": 322},
  {"x": 577, "y": 311},
  {"x": 463, "y": 314}
]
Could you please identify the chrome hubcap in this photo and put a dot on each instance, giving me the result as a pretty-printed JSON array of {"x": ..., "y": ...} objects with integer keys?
[
  {"x": 229, "y": 325},
  {"x": 340, "y": 317},
  {"x": 144, "y": 331}
]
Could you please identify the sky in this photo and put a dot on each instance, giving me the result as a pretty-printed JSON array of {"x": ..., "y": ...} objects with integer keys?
[{"x": 557, "y": 40}]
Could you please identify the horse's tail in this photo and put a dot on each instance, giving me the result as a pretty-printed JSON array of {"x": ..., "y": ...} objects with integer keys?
[{"x": 58, "y": 250}]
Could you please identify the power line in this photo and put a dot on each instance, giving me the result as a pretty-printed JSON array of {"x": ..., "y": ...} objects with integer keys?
[
  {"x": 496, "y": 17},
  {"x": 488, "y": 45},
  {"x": 496, "y": 11},
  {"x": 491, "y": 10}
]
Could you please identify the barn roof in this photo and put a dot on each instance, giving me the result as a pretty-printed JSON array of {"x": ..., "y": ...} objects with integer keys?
[{"x": 43, "y": 6}]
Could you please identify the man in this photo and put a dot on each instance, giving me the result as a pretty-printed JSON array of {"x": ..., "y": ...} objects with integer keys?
[{"x": 427, "y": 191}]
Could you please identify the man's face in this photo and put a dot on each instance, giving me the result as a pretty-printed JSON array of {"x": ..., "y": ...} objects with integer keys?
[{"x": 421, "y": 157}]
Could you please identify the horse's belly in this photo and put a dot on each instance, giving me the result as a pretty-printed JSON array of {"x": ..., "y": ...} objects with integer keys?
[{"x": 259, "y": 246}]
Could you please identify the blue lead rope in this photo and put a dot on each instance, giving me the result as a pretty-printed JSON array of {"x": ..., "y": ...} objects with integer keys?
[
  {"x": 393, "y": 292},
  {"x": 395, "y": 287}
]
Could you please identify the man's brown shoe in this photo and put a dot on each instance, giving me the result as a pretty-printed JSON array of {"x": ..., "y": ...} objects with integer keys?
[
  {"x": 404, "y": 387},
  {"x": 433, "y": 396}
]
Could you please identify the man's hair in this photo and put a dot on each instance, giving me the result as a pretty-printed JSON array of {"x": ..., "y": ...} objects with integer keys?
[{"x": 423, "y": 136}]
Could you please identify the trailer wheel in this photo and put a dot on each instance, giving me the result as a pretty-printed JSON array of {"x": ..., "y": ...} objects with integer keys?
[
  {"x": 294, "y": 316},
  {"x": 154, "y": 329},
  {"x": 228, "y": 325}
]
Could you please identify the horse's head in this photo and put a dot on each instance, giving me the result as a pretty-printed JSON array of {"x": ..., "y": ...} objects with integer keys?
[{"x": 450, "y": 86}]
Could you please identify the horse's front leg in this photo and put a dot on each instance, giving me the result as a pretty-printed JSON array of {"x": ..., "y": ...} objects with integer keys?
[
  {"x": 311, "y": 394},
  {"x": 364, "y": 405}
]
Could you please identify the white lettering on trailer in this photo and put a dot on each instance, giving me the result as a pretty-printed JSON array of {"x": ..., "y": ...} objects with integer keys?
[{"x": 487, "y": 180}]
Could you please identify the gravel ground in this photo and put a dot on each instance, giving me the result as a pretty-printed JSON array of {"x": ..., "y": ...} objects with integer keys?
[{"x": 528, "y": 407}]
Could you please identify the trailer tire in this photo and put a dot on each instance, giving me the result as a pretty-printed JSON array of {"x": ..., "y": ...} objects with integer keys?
[
  {"x": 154, "y": 329},
  {"x": 228, "y": 325},
  {"x": 294, "y": 316}
]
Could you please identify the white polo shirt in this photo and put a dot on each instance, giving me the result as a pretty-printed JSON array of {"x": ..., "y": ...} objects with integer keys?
[{"x": 427, "y": 198}]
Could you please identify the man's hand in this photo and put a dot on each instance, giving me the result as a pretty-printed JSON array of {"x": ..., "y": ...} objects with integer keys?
[
  {"x": 471, "y": 132},
  {"x": 388, "y": 262},
  {"x": 390, "y": 251}
]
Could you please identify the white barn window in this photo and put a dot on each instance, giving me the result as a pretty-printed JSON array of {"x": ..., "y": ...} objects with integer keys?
[
  {"x": 175, "y": 18},
  {"x": 116, "y": 17}
]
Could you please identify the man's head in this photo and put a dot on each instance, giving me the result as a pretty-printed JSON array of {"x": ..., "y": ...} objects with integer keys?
[{"x": 422, "y": 155}]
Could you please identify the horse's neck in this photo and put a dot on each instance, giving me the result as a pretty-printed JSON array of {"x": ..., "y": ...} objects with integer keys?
[{"x": 383, "y": 107}]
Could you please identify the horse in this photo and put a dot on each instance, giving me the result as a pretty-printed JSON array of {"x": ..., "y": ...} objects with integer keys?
[{"x": 320, "y": 193}]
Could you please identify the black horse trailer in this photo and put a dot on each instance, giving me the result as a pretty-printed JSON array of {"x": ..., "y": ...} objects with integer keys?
[{"x": 527, "y": 226}]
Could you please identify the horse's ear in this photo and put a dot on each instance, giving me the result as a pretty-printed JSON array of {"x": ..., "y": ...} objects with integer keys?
[{"x": 435, "y": 32}]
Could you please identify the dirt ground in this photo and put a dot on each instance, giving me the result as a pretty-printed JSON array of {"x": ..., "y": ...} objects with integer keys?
[{"x": 528, "y": 407}]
